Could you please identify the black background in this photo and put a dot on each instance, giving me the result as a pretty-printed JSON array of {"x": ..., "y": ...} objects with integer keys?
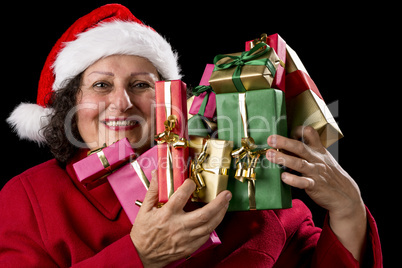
[{"x": 349, "y": 52}]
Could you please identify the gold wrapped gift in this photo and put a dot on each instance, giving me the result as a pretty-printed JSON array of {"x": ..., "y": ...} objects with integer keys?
[
  {"x": 209, "y": 167},
  {"x": 307, "y": 109},
  {"x": 253, "y": 75}
]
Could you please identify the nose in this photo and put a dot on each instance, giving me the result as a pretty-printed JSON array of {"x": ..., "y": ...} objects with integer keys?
[{"x": 120, "y": 101}]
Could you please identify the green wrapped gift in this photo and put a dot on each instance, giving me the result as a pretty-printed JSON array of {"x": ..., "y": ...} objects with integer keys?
[{"x": 248, "y": 119}]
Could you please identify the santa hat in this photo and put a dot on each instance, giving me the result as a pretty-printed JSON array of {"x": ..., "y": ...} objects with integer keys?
[{"x": 109, "y": 30}]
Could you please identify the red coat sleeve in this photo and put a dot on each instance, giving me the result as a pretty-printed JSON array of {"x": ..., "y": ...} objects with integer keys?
[
  {"x": 331, "y": 253},
  {"x": 309, "y": 246},
  {"x": 22, "y": 243}
]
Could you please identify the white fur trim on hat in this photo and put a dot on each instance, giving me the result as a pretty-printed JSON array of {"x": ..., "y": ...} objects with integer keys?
[
  {"x": 27, "y": 121},
  {"x": 111, "y": 38}
]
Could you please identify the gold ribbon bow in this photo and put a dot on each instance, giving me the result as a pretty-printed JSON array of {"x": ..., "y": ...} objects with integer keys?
[
  {"x": 263, "y": 39},
  {"x": 174, "y": 140},
  {"x": 246, "y": 159},
  {"x": 168, "y": 136},
  {"x": 196, "y": 168}
]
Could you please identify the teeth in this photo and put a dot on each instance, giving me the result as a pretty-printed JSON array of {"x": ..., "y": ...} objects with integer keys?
[{"x": 120, "y": 123}]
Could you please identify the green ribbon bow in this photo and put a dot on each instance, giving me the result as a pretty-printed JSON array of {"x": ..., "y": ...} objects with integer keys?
[
  {"x": 197, "y": 91},
  {"x": 246, "y": 58}
]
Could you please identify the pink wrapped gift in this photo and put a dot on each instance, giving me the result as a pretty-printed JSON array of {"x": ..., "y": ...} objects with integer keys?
[
  {"x": 92, "y": 170},
  {"x": 279, "y": 45},
  {"x": 210, "y": 109},
  {"x": 130, "y": 183}
]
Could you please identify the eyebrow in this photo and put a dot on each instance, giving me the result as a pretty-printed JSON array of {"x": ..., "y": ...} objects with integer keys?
[
  {"x": 104, "y": 73},
  {"x": 112, "y": 74},
  {"x": 140, "y": 73}
]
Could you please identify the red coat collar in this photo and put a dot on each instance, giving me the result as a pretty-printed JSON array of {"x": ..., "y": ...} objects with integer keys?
[{"x": 101, "y": 197}]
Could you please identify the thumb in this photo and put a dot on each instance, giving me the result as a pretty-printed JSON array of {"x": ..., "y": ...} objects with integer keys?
[{"x": 152, "y": 196}]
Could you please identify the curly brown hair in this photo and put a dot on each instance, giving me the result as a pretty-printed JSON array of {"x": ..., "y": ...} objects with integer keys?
[{"x": 57, "y": 130}]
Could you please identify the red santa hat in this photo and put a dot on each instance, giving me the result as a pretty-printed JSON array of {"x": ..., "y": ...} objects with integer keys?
[{"x": 109, "y": 30}]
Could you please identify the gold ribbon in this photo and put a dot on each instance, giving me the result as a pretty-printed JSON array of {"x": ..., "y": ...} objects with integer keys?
[
  {"x": 170, "y": 138},
  {"x": 246, "y": 158},
  {"x": 196, "y": 168},
  {"x": 144, "y": 180},
  {"x": 141, "y": 174},
  {"x": 263, "y": 39},
  {"x": 101, "y": 156}
]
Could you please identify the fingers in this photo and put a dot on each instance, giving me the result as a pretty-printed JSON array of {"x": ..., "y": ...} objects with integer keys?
[
  {"x": 290, "y": 145},
  {"x": 292, "y": 162},
  {"x": 206, "y": 219},
  {"x": 298, "y": 181},
  {"x": 180, "y": 197},
  {"x": 304, "y": 155},
  {"x": 152, "y": 196},
  {"x": 307, "y": 135}
]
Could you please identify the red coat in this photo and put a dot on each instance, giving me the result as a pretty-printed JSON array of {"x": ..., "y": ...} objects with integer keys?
[{"x": 48, "y": 219}]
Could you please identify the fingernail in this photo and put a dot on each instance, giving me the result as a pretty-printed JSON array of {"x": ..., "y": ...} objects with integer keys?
[
  {"x": 272, "y": 141},
  {"x": 229, "y": 196},
  {"x": 271, "y": 154}
]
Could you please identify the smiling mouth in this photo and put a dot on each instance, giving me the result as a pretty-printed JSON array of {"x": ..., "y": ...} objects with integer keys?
[{"x": 120, "y": 124}]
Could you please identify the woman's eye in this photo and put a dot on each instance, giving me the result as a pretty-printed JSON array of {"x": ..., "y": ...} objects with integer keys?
[
  {"x": 141, "y": 85},
  {"x": 100, "y": 85}
]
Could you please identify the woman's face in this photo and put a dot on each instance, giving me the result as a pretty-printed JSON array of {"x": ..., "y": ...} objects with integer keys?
[{"x": 115, "y": 101}]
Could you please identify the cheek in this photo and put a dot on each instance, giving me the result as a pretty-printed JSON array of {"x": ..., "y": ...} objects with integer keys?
[
  {"x": 87, "y": 118},
  {"x": 146, "y": 103},
  {"x": 87, "y": 115}
]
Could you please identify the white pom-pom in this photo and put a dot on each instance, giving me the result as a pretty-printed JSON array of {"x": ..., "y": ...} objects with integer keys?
[{"x": 27, "y": 121}]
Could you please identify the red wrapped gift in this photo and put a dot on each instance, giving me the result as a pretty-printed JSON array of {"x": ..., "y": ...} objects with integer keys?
[
  {"x": 279, "y": 45},
  {"x": 93, "y": 170},
  {"x": 210, "y": 109},
  {"x": 171, "y": 126}
]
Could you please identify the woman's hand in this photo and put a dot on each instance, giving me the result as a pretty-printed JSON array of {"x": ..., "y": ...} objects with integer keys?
[
  {"x": 163, "y": 235},
  {"x": 325, "y": 182}
]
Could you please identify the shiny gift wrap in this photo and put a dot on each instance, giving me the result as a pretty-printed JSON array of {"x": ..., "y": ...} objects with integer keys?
[
  {"x": 279, "y": 45},
  {"x": 93, "y": 169},
  {"x": 248, "y": 70},
  {"x": 209, "y": 167},
  {"x": 264, "y": 115},
  {"x": 306, "y": 107},
  {"x": 171, "y": 126}
]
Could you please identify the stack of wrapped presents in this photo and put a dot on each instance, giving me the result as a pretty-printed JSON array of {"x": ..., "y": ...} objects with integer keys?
[{"x": 218, "y": 137}]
